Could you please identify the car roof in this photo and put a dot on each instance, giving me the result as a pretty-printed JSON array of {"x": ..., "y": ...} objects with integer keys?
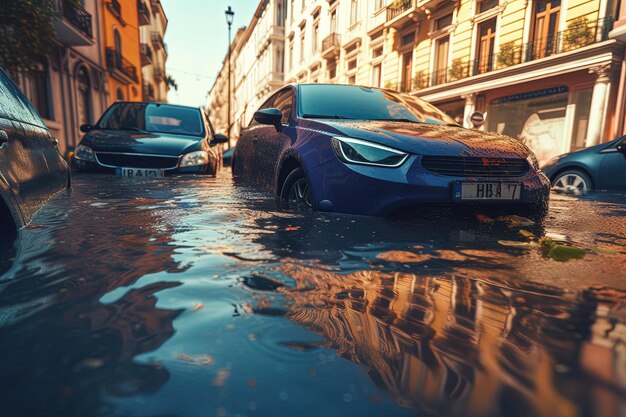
[{"x": 158, "y": 103}]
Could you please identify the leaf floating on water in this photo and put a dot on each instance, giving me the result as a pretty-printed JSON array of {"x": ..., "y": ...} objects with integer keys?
[
  {"x": 221, "y": 377},
  {"x": 291, "y": 228},
  {"x": 198, "y": 307},
  {"x": 516, "y": 244},
  {"x": 516, "y": 221},
  {"x": 605, "y": 251},
  {"x": 558, "y": 252},
  {"x": 198, "y": 360},
  {"x": 404, "y": 256},
  {"x": 527, "y": 234}
]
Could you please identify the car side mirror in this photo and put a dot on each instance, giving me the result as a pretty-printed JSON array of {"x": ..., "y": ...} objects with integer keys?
[
  {"x": 219, "y": 138},
  {"x": 269, "y": 117},
  {"x": 86, "y": 128}
]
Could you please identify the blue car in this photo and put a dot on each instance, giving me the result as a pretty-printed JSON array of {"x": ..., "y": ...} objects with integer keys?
[
  {"x": 368, "y": 151},
  {"x": 601, "y": 167}
]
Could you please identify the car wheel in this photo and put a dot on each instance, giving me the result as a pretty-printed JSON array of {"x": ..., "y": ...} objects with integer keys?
[
  {"x": 296, "y": 191},
  {"x": 572, "y": 181}
]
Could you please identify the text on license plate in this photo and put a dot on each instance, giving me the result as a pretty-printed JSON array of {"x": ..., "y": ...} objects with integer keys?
[
  {"x": 506, "y": 191},
  {"x": 140, "y": 172}
]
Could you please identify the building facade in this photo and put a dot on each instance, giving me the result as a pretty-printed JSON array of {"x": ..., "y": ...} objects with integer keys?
[
  {"x": 122, "y": 49},
  {"x": 153, "y": 24},
  {"x": 542, "y": 71},
  {"x": 70, "y": 86},
  {"x": 257, "y": 68}
]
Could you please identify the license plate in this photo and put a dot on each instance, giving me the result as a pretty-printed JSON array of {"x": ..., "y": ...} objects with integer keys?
[
  {"x": 140, "y": 172},
  {"x": 487, "y": 191}
]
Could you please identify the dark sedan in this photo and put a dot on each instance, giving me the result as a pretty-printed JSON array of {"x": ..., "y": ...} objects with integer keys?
[
  {"x": 358, "y": 150},
  {"x": 150, "y": 140},
  {"x": 31, "y": 168},
  {"x": 601, "y": 167}
]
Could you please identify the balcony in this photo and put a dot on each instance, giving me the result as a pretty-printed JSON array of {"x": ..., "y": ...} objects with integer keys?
[
  {"x": 331, "y": 46},
  {"x": 511, "y": 54},
  {"x": 146, "y": 54},
  {"x": 116, "y": 8},
  {"x": 158, "y": 74},
  {"x": 157, "y": 40},
  {"x": 401, "y": 12},
  {"x": 73, "y": 24},
  {"x": 148, "y": 92},
  {"x": 120, "y": 66},
  {"x": 144, "y": 13}
]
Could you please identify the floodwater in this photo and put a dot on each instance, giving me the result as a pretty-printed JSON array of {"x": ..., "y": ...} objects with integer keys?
[{"x": 196, "y": 296}]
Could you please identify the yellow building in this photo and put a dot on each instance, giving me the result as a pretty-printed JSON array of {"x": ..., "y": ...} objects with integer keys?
[{"x": 122, "y": 49}]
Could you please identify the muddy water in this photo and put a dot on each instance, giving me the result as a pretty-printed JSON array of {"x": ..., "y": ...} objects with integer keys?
[{"x": 198, "y": 297}]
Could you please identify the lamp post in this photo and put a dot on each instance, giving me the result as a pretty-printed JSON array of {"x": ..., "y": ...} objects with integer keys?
[{"x": 230, "y": 14}]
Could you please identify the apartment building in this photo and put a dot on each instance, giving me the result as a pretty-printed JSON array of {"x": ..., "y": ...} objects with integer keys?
[
  {"x": 120, "y": 21},
  {"x": 153, "y": 24},
  {"x": 257, "y": 62},
  {"x": 541, "y": 71},
  {"x": 69, "y": 87},
  {"x": 619, "y": 33}
]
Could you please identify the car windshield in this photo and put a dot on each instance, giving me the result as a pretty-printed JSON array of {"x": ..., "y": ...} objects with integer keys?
[
  {"x": 153, "y": 117},
  {"x": 353, "y": 102}
]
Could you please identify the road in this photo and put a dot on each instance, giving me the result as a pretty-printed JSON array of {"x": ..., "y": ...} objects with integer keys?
[{"x": 197, "y": 296}]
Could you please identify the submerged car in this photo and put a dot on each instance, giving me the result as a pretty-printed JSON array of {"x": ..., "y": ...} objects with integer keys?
[
  {"x": 369, "y": 151},
  {"x": 150, "y": 140},
  {"x": 31, "y": 168},
  {"x": 601, "y": 167}
]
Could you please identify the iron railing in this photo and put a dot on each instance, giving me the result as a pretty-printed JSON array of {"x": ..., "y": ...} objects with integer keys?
[
  {"x": 78, "y": 17},
  {"x": 144, "y": 12},
  {"x": 399, "y": 7},
  {"x": 157, "y": 39},
  {"x": 146, "y": 53},
  {"x": 116, "y": 8},
  {"x": 148, "y": 92},
  {"x": 115, "y": 61},
  {"x": 576, "y": 36},
  {"x": 331, "y": 41},
  {"x": 159, "y": 74}
]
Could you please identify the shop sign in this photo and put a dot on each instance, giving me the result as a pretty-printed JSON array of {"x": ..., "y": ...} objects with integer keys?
[{"x": 531, "y": 94}]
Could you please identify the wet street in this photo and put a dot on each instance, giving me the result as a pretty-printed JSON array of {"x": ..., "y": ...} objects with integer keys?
[{"x": 196, "y": 296}]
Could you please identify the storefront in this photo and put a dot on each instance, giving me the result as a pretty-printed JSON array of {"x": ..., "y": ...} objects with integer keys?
[{"x": 550, "y": 118}]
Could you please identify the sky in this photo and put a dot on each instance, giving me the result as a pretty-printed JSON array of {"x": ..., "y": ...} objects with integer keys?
[{"x": 197, "y": 42}]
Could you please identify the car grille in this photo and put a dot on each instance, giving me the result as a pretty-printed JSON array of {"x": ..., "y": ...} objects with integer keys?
[
  {"x": 137, "y": 161},
  {"x": 475, "y": 167}
]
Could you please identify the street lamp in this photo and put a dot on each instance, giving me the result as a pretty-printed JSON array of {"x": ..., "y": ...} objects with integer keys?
[{"x": 230, "y": 14}]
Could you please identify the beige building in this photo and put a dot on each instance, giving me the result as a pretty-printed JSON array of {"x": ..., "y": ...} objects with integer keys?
[
  {"x": 257, "y": 65},
  {"x": 542, "y": 71},
  {"x": 70, "y": 86},
  {"x": 153, "y": 24}
]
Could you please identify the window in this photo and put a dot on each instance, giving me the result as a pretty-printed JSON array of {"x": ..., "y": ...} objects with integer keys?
[
  {"x": 40, "y": 91},
  {"x": 302, "y": 46},
  {"x": 484, "y": 5},
  {"x": 546, "y": 26},
  {"x": 333, "y": 21},
  {"x": 291, "y": 10},
  {"x": 163, "y": 118},
  {"x": 354, "y": 12},
  {"x": 332, "y": 70},
  {"x": 290, "y": 54},
  {"x": 377, "y": 52},
  {"x": 407, "y": 72},
  {"x": 443, "y": 22},
  {"x": 352, "y": 64},
  {"x": 119, "y": 94},
  {"x": 84, "y": 97},
  {"x": 280, "y": 13},
  {"x": 352, "y": 80},
  {"x": 407, "y": 39},
  {"x": 117, "y": 39},
  {"x": 315, "y": 38},
  {"x": 442, "y": 47},
  {"x": 485, "y": 48},
  {"x": 284, "y": 103},
  {"x": 378, "y": 4},
  {"x": 279, "y": 59},
  {"x": 376, "y": 75}
]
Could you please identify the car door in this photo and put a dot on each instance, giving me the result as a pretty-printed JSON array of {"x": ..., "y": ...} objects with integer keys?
[
  {"x": 249, "y": 159},
  {"x": 277, "y": 141},
  {"x": 613, "y": 167},
  {"x": 31, "y": 166}
]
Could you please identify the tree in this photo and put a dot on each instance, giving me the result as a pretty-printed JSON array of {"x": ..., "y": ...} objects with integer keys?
[{"x": 27, "y": 33}]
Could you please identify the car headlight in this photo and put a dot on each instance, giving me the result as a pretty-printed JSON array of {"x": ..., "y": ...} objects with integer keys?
[
  {"x": 195, "y": 158},
  {"x": 84, "y": 153},
  {"x": 532, "y": 161},
  {"x": 357, "y": 151}
]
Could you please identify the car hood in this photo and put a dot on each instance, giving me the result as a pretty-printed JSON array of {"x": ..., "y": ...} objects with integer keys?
[
  {"x": 104, "y": 140},
  {"x": 433, "y": 139}
]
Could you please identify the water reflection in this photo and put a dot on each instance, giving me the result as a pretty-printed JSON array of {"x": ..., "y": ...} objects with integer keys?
[{"x": 453, "y": 345}]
